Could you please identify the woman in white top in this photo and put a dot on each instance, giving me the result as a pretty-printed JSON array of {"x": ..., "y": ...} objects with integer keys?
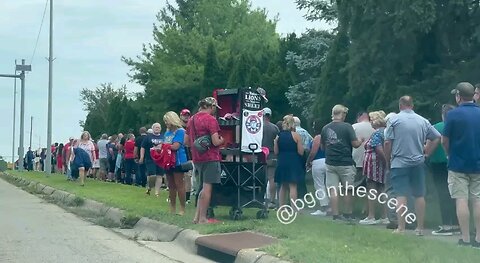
[{"x": 87, "y": 145}]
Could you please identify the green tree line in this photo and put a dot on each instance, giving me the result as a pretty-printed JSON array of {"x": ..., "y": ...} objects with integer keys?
[{"x": 377, "y": 51}]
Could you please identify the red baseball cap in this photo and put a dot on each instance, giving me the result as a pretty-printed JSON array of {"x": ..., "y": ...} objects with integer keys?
[{"x": 185, "y": 112}]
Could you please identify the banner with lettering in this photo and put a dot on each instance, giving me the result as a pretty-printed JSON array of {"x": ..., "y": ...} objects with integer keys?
[
  {"x": 252, "y": 100},
  {"x": 252, "y": 130}
]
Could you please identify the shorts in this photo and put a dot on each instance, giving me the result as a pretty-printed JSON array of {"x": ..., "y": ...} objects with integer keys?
[
  {"x": 340, "y": 174},
  {"x": 209, "y": 172},
  {"x": 103, "y": 164},
  {"x": 409, "y": 181},
  {"x": 271, "y": 167},
  {"x": 111, "y": 165},
  {"x": 153, "y": 168},
  {"x": 462, "y": 185},
  {"x": 96, "y": 164},
  {"x": 176, "y": 169}
]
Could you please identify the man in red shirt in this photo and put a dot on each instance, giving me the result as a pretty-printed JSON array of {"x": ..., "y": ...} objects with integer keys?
[
  {"x": 207, "y": 163},
  {"x": 66, "y": 157}
]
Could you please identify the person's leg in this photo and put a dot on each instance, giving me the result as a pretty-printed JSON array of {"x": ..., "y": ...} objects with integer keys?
[
  {"x": 474, "y": 189},
  {"x": 322, "y": 168},
  {"x": 371, "y": 203},
  {"x": 347, "y": 178},
  {"x": 179, "y": 183},
  {"x": 188, "y": 185},
  {"x": 158, "y": 184},
  {"x": 271, "y": 182},
  {"x": 143, "y": 174},
  {"x": 400, "y": 181},
  {"x": 292, "y": 192},
  {"x": 204, "y": 202},
  {"x": 417, "y": 184},
  {"x": 129, "y": 163},
  {"x": 81, "y": 171},
  {"x": 172, "y": 192},
  {"x": 447, "y": 204},
  {"x": 282, "y": 194},
  {"x": 332, "y": 183}
]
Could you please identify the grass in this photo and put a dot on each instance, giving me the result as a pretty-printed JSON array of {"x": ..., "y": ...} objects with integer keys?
[{"x": 308, "y": 239}]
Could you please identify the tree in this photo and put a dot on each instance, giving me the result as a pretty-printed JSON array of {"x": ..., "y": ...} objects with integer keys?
[
  {"x": 308, "y": 61},
  {"x": 177, "y": 68}
]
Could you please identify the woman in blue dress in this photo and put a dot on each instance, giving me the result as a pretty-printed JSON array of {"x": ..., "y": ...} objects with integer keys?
[{"x": 290, "y": 167}]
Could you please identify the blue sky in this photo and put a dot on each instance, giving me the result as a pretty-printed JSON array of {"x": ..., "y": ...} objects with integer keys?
[{"x": 90, "y": 37}]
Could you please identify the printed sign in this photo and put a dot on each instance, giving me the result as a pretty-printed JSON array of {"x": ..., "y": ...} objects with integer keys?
[{"x": 252, "y": 100}]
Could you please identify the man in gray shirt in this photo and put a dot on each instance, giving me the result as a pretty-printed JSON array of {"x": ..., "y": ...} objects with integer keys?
[
  {"x": 405, "y": 138},
  {"x": 270, "y": 132},
  {"x": 103, "y": 155}
]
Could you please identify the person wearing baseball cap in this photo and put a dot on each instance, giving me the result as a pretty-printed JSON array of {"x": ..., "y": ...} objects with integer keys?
[
  {"x": 185, "y": 116},
  {"x": 461, "y": 141},
  {"x": 270, "y": 132}
]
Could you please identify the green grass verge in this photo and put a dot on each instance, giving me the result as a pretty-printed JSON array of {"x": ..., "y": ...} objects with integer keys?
[{"x": 308, "y": 239}]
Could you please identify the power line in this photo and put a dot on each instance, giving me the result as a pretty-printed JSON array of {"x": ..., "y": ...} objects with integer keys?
[{"x": 39, "y": 31}]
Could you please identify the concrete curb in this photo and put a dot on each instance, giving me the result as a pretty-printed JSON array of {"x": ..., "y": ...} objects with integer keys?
[
  {"x": 145, "y": 228},
  {"x": 248, "y": 256},
  {"x": 154, "y": 230}
]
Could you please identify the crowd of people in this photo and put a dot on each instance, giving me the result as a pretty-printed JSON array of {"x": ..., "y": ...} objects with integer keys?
[{"x": 389, "y": 153}]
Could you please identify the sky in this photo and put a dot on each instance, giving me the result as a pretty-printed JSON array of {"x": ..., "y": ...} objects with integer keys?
[{"x": 90, "y": 37}]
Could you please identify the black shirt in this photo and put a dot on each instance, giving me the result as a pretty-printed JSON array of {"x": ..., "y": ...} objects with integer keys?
[
  {"x": 139, "y": 142},
  {"x": 337, "y": 139},
  {"x": 151, "y": 141}
]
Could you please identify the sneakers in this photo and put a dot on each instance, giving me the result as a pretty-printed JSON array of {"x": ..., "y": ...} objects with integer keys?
[
  {"x": 463, "y": 243},
  {"x": 368, "y": 221},
  {"x": 444, "y": 231},
  {"x": 383, "y": 221},
  {"x": 475, "y": 244},
  {"x": 319, "y": 213}
]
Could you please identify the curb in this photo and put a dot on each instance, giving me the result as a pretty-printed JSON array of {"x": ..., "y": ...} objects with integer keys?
[{"x": 145, "y": 228}]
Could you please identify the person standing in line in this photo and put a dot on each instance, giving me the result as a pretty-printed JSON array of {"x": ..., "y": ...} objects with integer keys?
[
  {"x": 375, "y": 166},
  {"x": 185, "y": 117},
  {"x": 461, "y": 141},
  {"x": 175, "y": 136},
  {"x": 96, "y": 164},
  {"x": 288, "y": 147},
  {"x": 66, "y": 157},
  {"x": 405, "y": 138},
  {"x": 129, "y": 156},
  {"x": 155, "y": 173},
  {"x": 306, "y": 143},
  {"x": 316, "y": 161},
  {"x": 337, "y": 139},
  {"x": 207, "y": 163},
  {"x": 141, "y": 177},
  {"x": 438, "y": 168},
  {"x": 270, "y": 132},
  {"x": 103, "y": 156},
  {"x": 87, "y": 145},
  {"x": 60, "y": 163},
  {"x": 476, "y": 97},
  {"x": 81, "y": 161},
  {"x": 363, "y": 129},
  {"x": 112, "y": 157},
  {"x": 30, "y": 157}
]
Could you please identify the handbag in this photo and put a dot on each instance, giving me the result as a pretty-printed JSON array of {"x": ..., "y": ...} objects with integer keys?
[{"x": 203, "y": 143}]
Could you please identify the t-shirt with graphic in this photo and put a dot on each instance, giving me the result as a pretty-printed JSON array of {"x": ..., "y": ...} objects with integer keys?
[
  {"x": 202, "y": 124},
  {"x": 337, "y": 140},
  {"x": 151, "y": 141},
  {"x": 177, "y": 136},
  {"x": 129, "y": 147}
]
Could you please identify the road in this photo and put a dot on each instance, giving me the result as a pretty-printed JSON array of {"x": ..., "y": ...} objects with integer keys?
[{"x": 32, "y": 230}]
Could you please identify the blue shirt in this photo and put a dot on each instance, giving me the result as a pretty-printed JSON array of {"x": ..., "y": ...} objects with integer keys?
[
  {"x": 306, "y": 137},
  {"x": 462, "y": 127},
  {"x": 408, "y": 133},
  {"x": 177, "y": 136}
]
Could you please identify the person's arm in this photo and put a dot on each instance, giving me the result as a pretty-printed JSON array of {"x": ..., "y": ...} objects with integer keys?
[
  {"x": 110, "y": 149},
  {"x": 433, "y": 139},
  {"x": 178, "y": 139},
  {"x": 142, "y": 155},
  {"x": 356, "y": 142},
  {"x": 298, "y": 140},
  {"x": 446, "y": 145},
  {"x": 275, "y": 146},
  {"x": 315, "y": 148},
  {"x": 135, "y": 152},
  {"x": 380, "y": 154},
  {"x": 217, "y": 140}
]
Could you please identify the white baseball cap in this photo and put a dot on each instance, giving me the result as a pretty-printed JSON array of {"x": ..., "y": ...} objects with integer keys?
[{"x": 267, "y": 111}]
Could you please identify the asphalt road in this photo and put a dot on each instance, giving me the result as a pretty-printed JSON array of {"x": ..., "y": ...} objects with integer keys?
[{"x": 32, "y": 230}]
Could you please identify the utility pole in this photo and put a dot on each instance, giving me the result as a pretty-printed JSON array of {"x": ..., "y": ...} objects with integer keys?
[
  {"x": 23, "y": 68},
  {"x": 14, "y": 115},
  {"x": 48, "y": 161},
  {"x": 31, "y": 129}
]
